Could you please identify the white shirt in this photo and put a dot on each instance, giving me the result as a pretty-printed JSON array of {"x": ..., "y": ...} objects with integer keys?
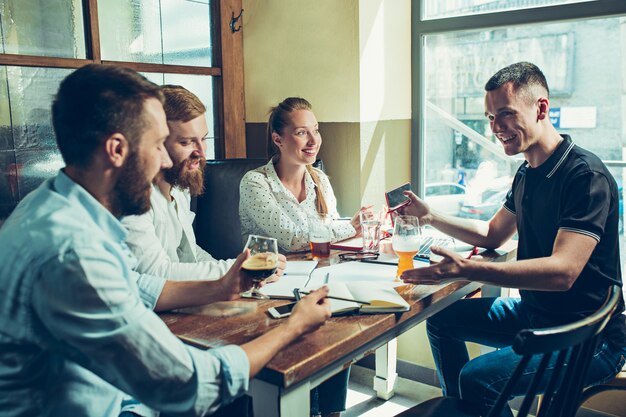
[
  {"x": 268, "y": 208},
  {"x": 164, "y": 243}
]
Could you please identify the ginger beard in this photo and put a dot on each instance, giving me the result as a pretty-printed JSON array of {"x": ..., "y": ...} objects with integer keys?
[{"x": 187, "y": 174}]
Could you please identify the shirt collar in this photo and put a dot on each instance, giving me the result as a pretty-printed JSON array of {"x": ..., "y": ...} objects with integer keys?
[
  {"x": 278, "y": 186},
  {"x": 554, "y": 161},
  {"x": 78, "y": 196}
]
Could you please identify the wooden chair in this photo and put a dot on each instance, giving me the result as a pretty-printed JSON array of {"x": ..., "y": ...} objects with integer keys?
[
  {"x": 616, "y": 384},
  {"x": 574, "y": 343}
]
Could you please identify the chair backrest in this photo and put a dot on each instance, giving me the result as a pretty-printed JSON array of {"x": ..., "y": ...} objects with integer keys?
[
  {"x": 574, "y": 345},
  {"x": 217, "y": 225}
]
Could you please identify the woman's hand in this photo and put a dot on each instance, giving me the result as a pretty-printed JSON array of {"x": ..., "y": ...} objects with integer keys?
[{"x": 356, "y": 219}]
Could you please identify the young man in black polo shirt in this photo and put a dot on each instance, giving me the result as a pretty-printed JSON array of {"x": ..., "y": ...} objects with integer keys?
[{"x": 564, "y": 205}]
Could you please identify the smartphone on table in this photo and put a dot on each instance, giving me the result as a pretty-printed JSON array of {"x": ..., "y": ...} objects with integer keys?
[
  {"x": 396, "y": 198},
  {"x": 281, "y": 311}
]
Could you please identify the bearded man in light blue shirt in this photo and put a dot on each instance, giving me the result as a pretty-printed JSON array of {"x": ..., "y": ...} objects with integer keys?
[{"x": 76, "y": 332}]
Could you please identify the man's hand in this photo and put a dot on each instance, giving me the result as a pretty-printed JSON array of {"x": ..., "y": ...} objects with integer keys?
[
  {"x": 308, "y": 315},
  {"x": 280, "y": 270},
  {"x": 311, "y": 312},
  {"x": 236, "y": 280},
  {"x": 449, "y": 269},
  {"x": 417, "y": 207}
]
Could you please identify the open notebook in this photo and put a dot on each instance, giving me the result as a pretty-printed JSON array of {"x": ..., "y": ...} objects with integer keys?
[
  {"x": 382, "y": 298},
  {"x": 298, "y": 274},
  {"x": 352, "y": 280}
]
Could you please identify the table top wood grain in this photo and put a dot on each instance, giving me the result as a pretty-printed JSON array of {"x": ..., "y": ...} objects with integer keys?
[{"x": 339, "y": 341}]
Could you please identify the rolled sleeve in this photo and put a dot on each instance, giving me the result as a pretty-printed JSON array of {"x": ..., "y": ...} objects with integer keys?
[
  {"x": 342, "y": 230},
  {"x": 231, "y": 362},
  {"x": 108, "y": 331},
  {"x": 152, "y": 256},
  {"x": 150, "y": 288}
]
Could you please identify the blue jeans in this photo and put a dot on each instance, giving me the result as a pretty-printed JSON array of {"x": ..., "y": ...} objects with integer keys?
[
  {"x": 495, "y": 322},
  {"x": 330, "y": 396}
]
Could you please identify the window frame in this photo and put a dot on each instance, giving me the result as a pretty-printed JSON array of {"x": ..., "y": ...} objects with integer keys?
[
  {"x": 420, "y": 28},
  {"x": 227, "y": 70}
]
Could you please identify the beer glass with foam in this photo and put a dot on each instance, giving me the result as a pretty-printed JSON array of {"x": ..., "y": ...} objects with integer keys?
[
  {"x": 405, "y": 241},
  {"x": 320, "y": 234},
  {"x": 262, "y": 262}
]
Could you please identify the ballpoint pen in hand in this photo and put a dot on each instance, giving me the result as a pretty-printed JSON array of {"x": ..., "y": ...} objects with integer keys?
[
  {"x": 331, "y": 297},
  {"x": 296, "y": 293},
  {"x": 473, "y": 252}
]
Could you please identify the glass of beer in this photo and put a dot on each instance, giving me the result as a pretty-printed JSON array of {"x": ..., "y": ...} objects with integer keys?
[
  {"x": 320, "y": 234},
  {"x": 262, "y": 262},
  {"x": 405, "y": 241}
]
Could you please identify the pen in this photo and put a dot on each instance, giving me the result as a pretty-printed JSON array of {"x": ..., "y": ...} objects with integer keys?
[
  {"x": 194, "y": 342},
  {"x": 296, "y": 293},
  {"x": 374, "y": 261},
  {"x": 473, "y": 252},
  {"x": 422, "y": 258},
  {"x": 332, "y": 298}
]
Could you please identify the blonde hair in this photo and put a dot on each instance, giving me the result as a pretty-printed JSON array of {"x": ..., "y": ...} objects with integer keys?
[{"x": 278, "y": 120}]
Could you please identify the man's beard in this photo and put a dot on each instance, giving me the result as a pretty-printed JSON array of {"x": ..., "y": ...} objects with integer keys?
[
  {"x": 132, "y": 190},
  {"x": 179, "y": 176}
]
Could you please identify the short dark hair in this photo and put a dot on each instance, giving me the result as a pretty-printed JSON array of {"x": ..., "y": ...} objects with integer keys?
[
  {"x": 96, "y": 101},
  {"x": 521, "y": 74},
  {"x": 181, "y": 105}
]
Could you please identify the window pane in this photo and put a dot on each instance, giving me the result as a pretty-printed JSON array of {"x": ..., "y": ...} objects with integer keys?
[
  {"x": 30, "y": 92},
  {"x": 173, "y": 32},
  {"x": 201, "y": 86},
  {"x": 32, "y": 154},
  {"x": 587, "y": 79},
  {"x": 42, "y": 27},
  {"x": 435, "y": 9}
]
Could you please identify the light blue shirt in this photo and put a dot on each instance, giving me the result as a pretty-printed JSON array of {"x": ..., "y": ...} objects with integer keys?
[{"x": 75, "y": 331}]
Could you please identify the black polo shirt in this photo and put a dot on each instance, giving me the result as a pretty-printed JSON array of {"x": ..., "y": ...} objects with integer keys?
[{"x": 572, "y": 190}]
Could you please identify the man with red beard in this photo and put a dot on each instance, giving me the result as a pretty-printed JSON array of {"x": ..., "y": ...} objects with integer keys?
[
  {"x": 162, "y": 239},
  {"x": 76, "y": 331}
]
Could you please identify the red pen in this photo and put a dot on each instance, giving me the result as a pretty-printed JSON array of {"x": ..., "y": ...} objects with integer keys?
[{"x": 473, "y": 252}]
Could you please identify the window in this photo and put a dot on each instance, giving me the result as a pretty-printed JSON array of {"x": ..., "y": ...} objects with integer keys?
[
  {"x": 579, "y": 45},
  {"x": 185, "y": 42},
  {"x": 434, "y": 9}
]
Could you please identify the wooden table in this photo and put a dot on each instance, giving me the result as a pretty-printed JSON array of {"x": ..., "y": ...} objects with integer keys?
[{"x": 282, "y": 387}]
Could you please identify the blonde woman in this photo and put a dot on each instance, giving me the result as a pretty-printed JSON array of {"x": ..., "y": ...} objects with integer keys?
[{"x": 278, "y": 198}]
